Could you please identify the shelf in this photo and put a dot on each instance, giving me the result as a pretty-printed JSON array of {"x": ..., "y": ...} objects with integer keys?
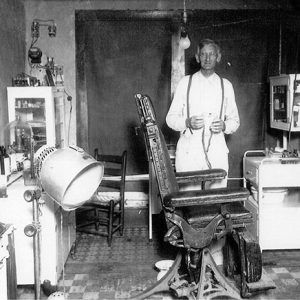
[
  {"x": 29, "y": 109},
  {"x": 40, "y": 141},
  {"x": 14, "y": 177},
  {"x": 37, "y": 124}
]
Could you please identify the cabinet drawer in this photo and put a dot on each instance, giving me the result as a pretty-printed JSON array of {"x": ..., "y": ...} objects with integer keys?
[{"x": 279, "y": 175}]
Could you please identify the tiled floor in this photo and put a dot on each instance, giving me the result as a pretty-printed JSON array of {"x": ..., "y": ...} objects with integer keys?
[{"x": 101, "y": 272}]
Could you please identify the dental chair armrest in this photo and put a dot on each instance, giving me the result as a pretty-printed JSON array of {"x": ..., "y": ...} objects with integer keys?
[
  {"x": 205, "y": 197},
  {"x": 200, "y": 176}
]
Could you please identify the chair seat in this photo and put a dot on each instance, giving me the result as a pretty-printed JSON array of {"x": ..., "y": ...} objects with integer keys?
[
  {"x": 199, "y": 217},
  {"x": 104, "y": 198}
]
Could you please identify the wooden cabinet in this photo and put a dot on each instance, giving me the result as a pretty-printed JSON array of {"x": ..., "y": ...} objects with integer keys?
[{"x": 57, "y": 238}]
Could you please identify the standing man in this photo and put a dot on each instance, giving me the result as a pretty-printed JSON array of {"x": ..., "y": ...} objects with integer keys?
[{"x": 203, "y": 110}]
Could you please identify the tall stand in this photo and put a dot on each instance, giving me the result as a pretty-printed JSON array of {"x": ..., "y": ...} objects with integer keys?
[{"x": 33, "y": 230}]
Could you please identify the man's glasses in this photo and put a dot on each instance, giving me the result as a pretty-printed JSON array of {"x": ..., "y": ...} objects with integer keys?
[{"x": 208, "y": 55}]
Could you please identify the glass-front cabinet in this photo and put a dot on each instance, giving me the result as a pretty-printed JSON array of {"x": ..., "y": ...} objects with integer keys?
[{"x": 43, "y": 109}]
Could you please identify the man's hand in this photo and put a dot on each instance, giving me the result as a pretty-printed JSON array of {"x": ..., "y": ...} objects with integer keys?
[
  {"x": 195, "y": 122},
  {"x": 217, "y": 126}
]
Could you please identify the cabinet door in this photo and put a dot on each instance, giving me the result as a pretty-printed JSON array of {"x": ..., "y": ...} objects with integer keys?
[
  {"x": 32, "y": 111},
  {"x": 43, "y": 109},
  {"x": 60, "y": 126}
]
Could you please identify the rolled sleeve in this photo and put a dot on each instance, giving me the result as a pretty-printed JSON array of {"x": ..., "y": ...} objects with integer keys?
[{"x": 177, "y": 114}]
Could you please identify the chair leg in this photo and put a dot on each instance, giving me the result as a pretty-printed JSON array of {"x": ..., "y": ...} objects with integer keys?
[
  {"x": 110, "y": 225},
  {"x": 122, "y": 222},
  {"x": 96, "y": 215}
]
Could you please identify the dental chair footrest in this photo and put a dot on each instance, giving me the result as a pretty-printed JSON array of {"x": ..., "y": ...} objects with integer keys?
[
  {"x": 261, "y": 285},
  {"x": 205, "y": 197}
]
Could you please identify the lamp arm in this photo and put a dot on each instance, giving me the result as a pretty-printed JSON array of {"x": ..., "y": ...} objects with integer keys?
[
  {"x": 44, "y": 22},
  {"x": 36, "y": 23}
]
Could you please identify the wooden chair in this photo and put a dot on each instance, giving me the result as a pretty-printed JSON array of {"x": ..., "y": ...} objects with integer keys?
[
  {"x": 104, "y": 213},
  {"x": 194, "y": 219}
]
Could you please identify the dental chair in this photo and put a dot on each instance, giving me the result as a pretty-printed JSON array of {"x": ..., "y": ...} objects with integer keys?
[{"x": 196, "y": 218}]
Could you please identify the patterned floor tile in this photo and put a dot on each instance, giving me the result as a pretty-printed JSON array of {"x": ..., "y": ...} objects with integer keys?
[{"x": 127, "y": 268}]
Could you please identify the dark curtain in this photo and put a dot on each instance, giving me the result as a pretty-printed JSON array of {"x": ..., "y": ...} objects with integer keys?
[{"x": 123, "y": 57}]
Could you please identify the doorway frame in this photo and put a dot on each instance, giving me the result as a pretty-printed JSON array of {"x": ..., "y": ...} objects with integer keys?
[{"x": 81, "y": 16}]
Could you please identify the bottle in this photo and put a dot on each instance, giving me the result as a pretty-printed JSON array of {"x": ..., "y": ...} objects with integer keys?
[
  {"x": 3, "y": 178},
  {"x": 2, "y": 162},
  {"x": 6, "y": 162},
  {"x": 13, "y": 160}
]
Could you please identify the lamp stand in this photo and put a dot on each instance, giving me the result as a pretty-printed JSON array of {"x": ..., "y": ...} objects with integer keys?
[
  {"x": 37, "y": 250},
  {"x": 33, "y": 230}
]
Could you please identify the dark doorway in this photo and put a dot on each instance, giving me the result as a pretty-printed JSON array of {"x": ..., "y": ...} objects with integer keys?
[{"x": 119, "y": 54}]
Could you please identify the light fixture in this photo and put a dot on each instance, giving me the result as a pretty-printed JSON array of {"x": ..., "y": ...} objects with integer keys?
[
  {"x": 35, "y": 53},
  {"x": 35, "y": 27},
  {"x": 69, "y": 177},
  {"x": 184, "y": 42}
]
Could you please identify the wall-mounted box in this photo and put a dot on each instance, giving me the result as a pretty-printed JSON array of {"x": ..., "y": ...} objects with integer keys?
[{"x": 285, "y": 102}]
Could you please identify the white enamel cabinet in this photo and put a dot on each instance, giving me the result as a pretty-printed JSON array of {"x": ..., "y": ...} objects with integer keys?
[
  {"x": 44, "y": 109},
  {"x": 276, "y": 182}
]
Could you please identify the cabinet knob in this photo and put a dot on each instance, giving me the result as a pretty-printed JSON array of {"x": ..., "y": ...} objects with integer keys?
[{"x": 248, "y": 172}]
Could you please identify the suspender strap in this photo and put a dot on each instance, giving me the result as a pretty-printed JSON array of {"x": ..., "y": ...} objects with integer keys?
[
  {"x": 221, "y": 111},
  {"x": 188, "y": 96},
  {"x": 222, "y": 104},
  {"x": 188, "y": 100},
  {"x": 211, "y": 134}
]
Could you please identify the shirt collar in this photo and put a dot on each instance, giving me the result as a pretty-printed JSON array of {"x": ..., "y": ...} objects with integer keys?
[{"x": 210, "y": 78}]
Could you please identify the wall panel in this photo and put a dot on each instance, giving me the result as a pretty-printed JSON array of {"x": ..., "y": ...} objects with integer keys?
[{"x": 12, "y": 51}]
